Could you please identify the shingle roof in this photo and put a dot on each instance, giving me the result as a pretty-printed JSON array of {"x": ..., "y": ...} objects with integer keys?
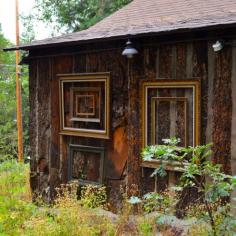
[{"x": 152, "y": 16}]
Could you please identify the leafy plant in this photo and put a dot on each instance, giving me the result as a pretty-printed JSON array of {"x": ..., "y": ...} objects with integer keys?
[
  {"x": 207, "y": 178},
  {"x": 213, "y": 186},
  {"x": 169, "y": 151}
]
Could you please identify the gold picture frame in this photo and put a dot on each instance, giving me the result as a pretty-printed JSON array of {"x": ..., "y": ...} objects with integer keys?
[
  {"x": 83, "y": 115},
  {"x": 154, "y": 100},
  {"x": 193, "y": 84},
  {"x": 91, "y": 79}
]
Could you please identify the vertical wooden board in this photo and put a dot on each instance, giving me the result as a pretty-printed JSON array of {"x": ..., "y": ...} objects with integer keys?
[
  {"x": 188, "y": 93},
  {"x": 149, "y": 62},
  {"x": 157, "y": 63},
  {"x": 180, "y": 122},
  {"x": 165, "y": 66},
  {"x": 44, "y": 108},
  {"x": 222, "y": 109},
  {"x": 211, "y": 75},
  {"x": 116, "y": 188},
  {"x": 64, "y": 154},
  {"x": 79, "y": 63},
  {"x": 200, "y": 67},
  {"x": 164, "y": 120},
  {"x": 181, "y": 73},
  {"x": 60, "y": 65},
  {"x": 171, "y": 62},
  {"x": 233, "y": 131},
  {"x": 181, "y": 51},
  {"x": 134, "y": 140},
  {"x": 148, "y": 182},
  {"x": 33, "y": 124},
  {"x": 174, "y": 62},
  {"x": 200, "y": 70},
  {"x": 58, "y": 162},
  {"x": 115, "y": 63},
  {"x": 92, "y": 62},
  {"x": 189, "y": 60},
  {"x": 33, "y": 116},
  {"x": 117, "y": 149},
  {"x": 117, "y": 154},
  {"x": 166, "y": 70}
]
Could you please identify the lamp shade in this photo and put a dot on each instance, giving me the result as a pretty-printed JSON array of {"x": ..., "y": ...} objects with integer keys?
[
  {"x": 218, "y": 45},
  {"x": 129, "y": 50}
]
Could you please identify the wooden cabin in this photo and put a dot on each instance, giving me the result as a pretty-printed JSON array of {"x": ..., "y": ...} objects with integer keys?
[{"x": 92, "y": 110}]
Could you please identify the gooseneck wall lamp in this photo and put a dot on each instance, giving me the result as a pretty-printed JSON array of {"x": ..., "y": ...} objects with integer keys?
[{"x": 129, "y": 50}]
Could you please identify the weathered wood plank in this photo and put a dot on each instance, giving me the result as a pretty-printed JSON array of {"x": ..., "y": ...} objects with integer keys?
[
  {"x": 233, "y": 130},
  {"x": 181, "y": 51},
  {"x": 33, "y": 124},
  {"x": 200, "y": 69},
  {"x": 133, "y": 162},
  {"x": 222, "y": 109},
  {"x": 189, "y": 61},
  {"x": 211, "y": 75},
  {"x": 165, "y": 68},
  {"x": 44, "y": 109},
  {"x": 60, "y": 65}
]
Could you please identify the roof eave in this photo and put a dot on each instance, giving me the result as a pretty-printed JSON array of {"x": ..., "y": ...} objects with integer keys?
[{"x": 119, "y": 37}]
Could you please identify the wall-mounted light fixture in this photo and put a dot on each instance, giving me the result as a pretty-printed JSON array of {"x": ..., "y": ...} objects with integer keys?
[
  {"x": 129, "y": 50},
  {"x": 218, "y": 45}
]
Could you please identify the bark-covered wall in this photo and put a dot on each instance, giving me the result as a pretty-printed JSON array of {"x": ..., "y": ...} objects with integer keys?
[{"x": 184, "y": 60}]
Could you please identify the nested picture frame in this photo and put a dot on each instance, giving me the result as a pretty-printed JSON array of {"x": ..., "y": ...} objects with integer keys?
[
  {"x": 86, "y": 164},
  {"x": 85, "y": 104},
  {"x": 170, "y": 108}
]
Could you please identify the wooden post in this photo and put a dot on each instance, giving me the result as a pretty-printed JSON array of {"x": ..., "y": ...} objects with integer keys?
[{"x": 18, "y": 90}]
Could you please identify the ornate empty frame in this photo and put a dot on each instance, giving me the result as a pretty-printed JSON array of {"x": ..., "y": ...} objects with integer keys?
[
  {"x": 86, "y": 164},
  {"x": 169, "y": 105},
  {"x": 84, "y": 104}
]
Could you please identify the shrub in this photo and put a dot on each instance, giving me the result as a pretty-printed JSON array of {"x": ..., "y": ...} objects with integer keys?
[{"x": 93, "y": 196}]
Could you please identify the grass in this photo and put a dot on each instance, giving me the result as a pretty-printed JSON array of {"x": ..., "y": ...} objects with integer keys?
[
  {"x": 70, "y": 217},
  {"x": 67, "y": 217},
  {"x": 19, "y": 216}
]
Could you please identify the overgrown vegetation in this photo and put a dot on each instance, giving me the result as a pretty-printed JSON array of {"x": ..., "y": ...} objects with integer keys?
[
  {"x": 8, "y": 133},
  {"x": 213, "y": 187},
  {"x": 68, "y": 216},
  {"x": 154, "y": 212},
  {"x": 18, "y": 216}
]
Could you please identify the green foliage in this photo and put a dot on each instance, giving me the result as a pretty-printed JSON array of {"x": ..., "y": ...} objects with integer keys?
[
  {"x": 93, "y": 196},
  {"x": 160, "y": 202},
  {"x": 170, "y": 151},
  {"x": 218, "y": 185},
  {"x": 14, "y": 197},
  {"x": 210, "y": 182},
  {"x": 77, "y": 15},
  {"x": 72, "y": 15},
  {"x": 19, "y": 216},
  {"x": 8, "y": 133},
  {"x": 145, "y": 228},
  {"x": 213, "y": 186}
]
